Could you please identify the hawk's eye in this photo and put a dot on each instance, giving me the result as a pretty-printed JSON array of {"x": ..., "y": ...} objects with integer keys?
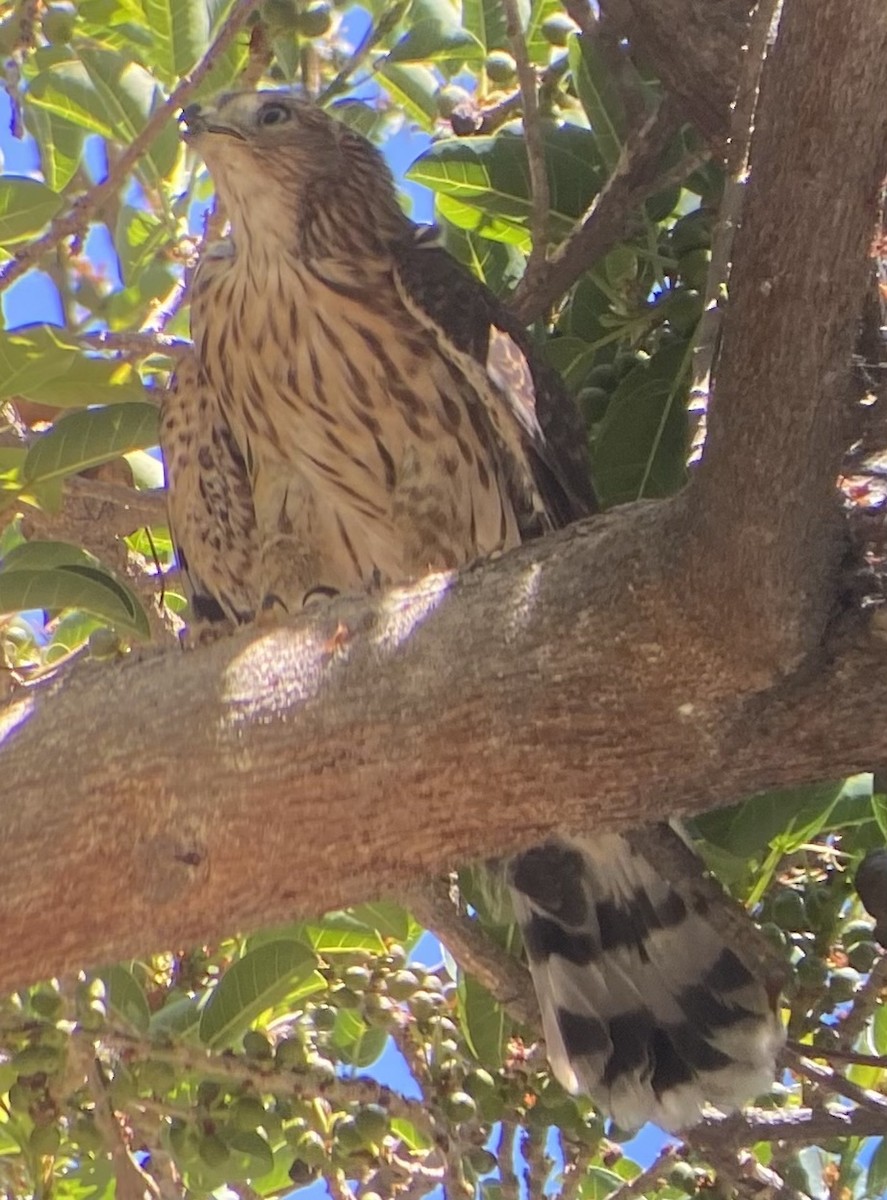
[{"x": 273, "y": 114}]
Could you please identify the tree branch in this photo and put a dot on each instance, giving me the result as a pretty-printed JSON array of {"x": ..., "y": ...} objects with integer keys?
[
  {"x": 765, "y": 536},
  {"x": 609, "y": 220},
  {"x": 128, "y": 817}
]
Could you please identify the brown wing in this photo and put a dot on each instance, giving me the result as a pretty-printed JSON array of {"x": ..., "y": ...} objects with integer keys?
[
  {"x": 478, "y": 324},
  {"x": 210, "y": 505}
]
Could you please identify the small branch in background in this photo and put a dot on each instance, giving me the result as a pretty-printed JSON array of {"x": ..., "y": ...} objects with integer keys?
[
  {"x": 864, "y": 1004},
  {"x": 834, "y": 1054},
  {"x": 132, "y": 1182},
  {"x": 74, "y": 221},
  {"x": 260, "y": 55},
  {"x": 378, "y": 30},
  {"x": 539, "y": 191},
  {"x": 135, "y": 345},
  {"x": 837, "y": 1084},
  {"x": 469, "y": 121},
  {"x": 649, "y": 1179},
  {"x": 507, "y": 980},
  {"x": 94, "y": 508},
  {"x": 611, "y": 217},
  {"x": 736, "y": 168}
]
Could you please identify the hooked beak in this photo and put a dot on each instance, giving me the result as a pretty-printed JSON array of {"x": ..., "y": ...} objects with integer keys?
[{"x": 197, "y": 120}]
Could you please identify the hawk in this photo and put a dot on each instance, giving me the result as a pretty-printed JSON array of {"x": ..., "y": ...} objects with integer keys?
[{"x": 357, "y": 411}]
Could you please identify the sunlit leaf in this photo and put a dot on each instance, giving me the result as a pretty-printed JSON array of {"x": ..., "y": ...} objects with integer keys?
[
  {"x": 125, "y": 997},
  {"x": 262, "y": 978},
  {"x": 358, "y": 1043},
  {"x": 25, "y": 207}
]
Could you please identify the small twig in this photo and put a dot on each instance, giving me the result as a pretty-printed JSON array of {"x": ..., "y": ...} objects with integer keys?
[
  {"x": 539, "y": 191},
  {"x": 378, "y": 30},
  {"x": 136, "y": 345},
  {"x": 132, "y": 1182},
  {"x": 507, "y": 980},
  {"x": 837, "y": 1055},
  {"x": 611, "y": 216},
  {"x": 648, "y": 1179},
  {"x": 490, "y": 119},
  {"x": 837, "y": 1084},
  {"x": 78, "y": 216},
  {"x": 864, "y": 1004}
]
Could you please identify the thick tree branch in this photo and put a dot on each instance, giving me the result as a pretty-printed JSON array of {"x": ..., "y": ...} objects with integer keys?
[
  {"x": 765, "y": 538},
  {"x": 137, "y": 796},
  {"x": 707, "y": 34}
]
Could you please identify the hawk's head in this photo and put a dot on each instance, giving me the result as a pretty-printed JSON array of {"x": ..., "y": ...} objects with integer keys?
[{"x": 286, "y": 169}]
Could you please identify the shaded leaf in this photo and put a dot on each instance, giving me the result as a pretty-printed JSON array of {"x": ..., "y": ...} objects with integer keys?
[
  {"x": 125, "y": 997},
  {"x": 640, "y": 446},
  {"x": 87, "y": 438},
  {"x": 357, "y": 1043},
  {"x": 600, "y": 97},
  {"x": 484, "y": 1022},
  {"x": 73, "y": 586},
  {"x": 435, "y": 32}
]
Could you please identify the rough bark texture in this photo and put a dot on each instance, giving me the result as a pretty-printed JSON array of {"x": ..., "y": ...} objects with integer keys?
[
  {"x": 664, "y": 657},
  {"x": 669, "y": 34}
]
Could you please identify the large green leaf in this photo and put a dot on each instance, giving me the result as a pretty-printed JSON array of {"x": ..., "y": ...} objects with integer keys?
[
  {"x": 485, "y": 20},
  {"x": 435, "y": 31},
  {"x": 86, "y": 439},
  {"x": 413, "y": 87},
  {"x": 600, "y": 97},
  {"x": 491, "y": 175},
  {"x": 105, "y": 92},
  {"x": 126, "y": 997},
  {"x": 25, "y": 207},
  {"x": 262, "y": 978},
  {"x": 484, "y": 1022},
  {"x": 61, "y": 145},
  {"x": 358, "y": 1043},
  {"x": 31, "y": 356},
  {"x": 640, "y": 448},
  {"x": 180, "y": 34},
  {"x": 748, "y": 829},
  {"x": 74, "y": 586}
]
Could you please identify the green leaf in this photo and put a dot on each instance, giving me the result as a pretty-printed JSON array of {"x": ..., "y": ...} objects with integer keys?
[
  {"x": 32, "y": 355},
  {"x": 357, "y": 1043},
  {"x": 178, "y": 1018},
  {"x": 879, "y": 1030},
  {"x": 262, "y": 978},
  {"x": 85, "y": 439},
  {"x": 495, "y": 263},
  {"x": 389, "y": 919},
  {"x": 255, "y": 1150},
  {"x": 179, "y": 32},
  {"x": 413, "y": 1138},
  {"x": 125, "y": 997},
  {"x": 414, "y": 88},
  {"x": 484, "y": 1023},
  {"x": 73, "y": 586},
  {"x": 43, "y": 556},
  {"x": 330, "y": 939},
  {"x": 26, "y": 206},
  {"x": 640, "y": 447},
  {"x": 876, "y": 1177},
  {"x": 538, "y": 45},
  {"x": 435, "y": 32},
  {"x": 60, "y": 143},
  {"x": 491, "y": 175},
  {"x": 485, "y": 21},
  {"x": 747, "y": 829},
  {"x": 105, "y": 92},
  {"x": 600, "y": 97}
]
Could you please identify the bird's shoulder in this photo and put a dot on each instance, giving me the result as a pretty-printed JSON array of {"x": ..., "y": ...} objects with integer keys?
[{"x": 477, "y": 323}]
